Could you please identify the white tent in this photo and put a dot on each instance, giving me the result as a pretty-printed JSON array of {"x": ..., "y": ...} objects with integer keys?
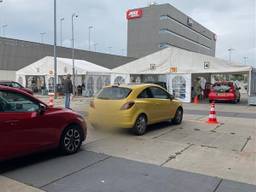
[
  {"x": 178, "y": 66},
  {"x": 45, "y": 66},
  {"x": 181, "y": 61},
  {"x": 91, "y": 75}
]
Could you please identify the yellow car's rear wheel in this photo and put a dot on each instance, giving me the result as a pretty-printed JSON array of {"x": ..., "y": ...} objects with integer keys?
[
  {"x": 178, "y": 116},
  {"x": 140, "y": 126}
]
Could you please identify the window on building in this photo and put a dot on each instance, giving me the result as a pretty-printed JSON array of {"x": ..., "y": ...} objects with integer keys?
[
  {"x": 167, "y": 31},
  {"x": 187, "y": 27}
]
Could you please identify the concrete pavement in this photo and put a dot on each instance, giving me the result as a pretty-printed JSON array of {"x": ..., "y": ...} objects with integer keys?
[{"x": 193, "y": 156}]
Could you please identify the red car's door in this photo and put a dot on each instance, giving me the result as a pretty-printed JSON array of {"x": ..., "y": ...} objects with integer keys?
[
  {"x": 14, "y": 139},
  {"x": 22, "y": 129}
]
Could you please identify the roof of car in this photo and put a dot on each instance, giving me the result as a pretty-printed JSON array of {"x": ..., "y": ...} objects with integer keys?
[
  {"x": 136, "y": 86},
  {"x": 224, "y": 82},
  {"x": 6, "y": 88}
]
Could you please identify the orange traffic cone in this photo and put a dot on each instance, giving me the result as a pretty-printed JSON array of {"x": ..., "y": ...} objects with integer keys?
[
  {"x": 212, "y": 115},
  {"x": 196, "y": 100},
  {"x": 51, "y": 99}
]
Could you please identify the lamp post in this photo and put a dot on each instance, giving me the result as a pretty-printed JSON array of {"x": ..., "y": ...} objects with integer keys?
[
  {"x": 245, "y": 59},
  {"x": 95, "y": 46},
  {"x": 3, "y": 28},
  {"x": 55, "y": 49},
  {"x": 42, "y": 36},
  {"x": 109, "y": 49},
  {"x": 74, "y": 15},
  {"x": 89, "y": 28},
  {"x": 123, "y": 52},
  {"x": 230, "y": 54},
  {"x": 61, "y": 20}
]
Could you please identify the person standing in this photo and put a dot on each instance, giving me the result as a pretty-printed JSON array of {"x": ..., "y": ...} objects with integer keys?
[
  {"x": 202, "y": 84},
  {"x": 68, "y": 90},
  {"x": 197, "y": 88}
]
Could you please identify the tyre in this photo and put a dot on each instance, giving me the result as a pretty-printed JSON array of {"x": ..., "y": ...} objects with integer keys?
[
  {"x": 235, "y": 101},
  {"x": 178, "y": 116},
  {"x": 140, "y": 126},
  {"x": 71, "y": 140}
]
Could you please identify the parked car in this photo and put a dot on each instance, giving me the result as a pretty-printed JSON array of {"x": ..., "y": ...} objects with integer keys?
[
  {"x": 16, "y": 85},
  {"x": 28, "y": 125},
  {"x": 134, "y": 106},
  {"x": 224, "y": 91},
  {"x": 162, "y": 84}
]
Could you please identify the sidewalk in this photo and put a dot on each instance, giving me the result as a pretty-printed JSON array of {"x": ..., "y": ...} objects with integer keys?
[{"x": 10, "y": 185}]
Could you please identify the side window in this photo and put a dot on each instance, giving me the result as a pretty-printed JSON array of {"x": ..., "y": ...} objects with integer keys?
[
  {"x": 159, "y": 93},
  {"x": 16, "y": 85},
  {"x": 15, "y": 102},
  {"x": 2, "y": 105},
  {"x": 146, "y": 93}
]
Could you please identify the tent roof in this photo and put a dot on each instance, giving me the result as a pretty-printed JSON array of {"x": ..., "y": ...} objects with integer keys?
[
  {"x": 183, "y": 61},
  {"x": 85, "y": 65},
  {"x": 64, "y": 66}
]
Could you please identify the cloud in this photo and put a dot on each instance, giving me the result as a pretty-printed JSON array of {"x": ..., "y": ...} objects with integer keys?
[{"x": 234, "y": 22}]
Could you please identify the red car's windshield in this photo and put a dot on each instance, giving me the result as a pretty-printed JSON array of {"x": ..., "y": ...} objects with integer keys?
[{"x": 222, "y": 88}]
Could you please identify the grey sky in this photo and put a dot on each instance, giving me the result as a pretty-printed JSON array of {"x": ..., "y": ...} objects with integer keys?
[{"x": 234, "y": 22}]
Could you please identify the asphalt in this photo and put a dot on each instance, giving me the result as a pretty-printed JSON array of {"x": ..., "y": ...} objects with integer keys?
[
  {"x": 205, "y": 112},
  {"x": 94, "y": 172},
  {"x": 222, "y": 113}
]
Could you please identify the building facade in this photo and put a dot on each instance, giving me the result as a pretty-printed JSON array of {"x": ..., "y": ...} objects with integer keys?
[
  {"x": 159, "y": 26},
  {"x": 16, "y": 54}
]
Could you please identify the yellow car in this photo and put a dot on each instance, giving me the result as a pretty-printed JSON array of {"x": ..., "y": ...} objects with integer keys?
[{"x": 134, "y": 106}]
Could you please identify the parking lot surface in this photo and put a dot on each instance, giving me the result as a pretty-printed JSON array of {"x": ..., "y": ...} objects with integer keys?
[{"x": 193, "y": 156}]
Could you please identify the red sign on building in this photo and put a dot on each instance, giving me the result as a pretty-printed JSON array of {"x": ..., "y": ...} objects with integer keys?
[{"x": 134, "y": 14}]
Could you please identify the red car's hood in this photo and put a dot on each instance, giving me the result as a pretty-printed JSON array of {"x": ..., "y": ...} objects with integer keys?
[{"x": 61, "y": 110}]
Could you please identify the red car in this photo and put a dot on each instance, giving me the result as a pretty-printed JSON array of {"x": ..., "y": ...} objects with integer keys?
[
  {"x": 16, "y": 85},
  {"x": 224, "y": 91},
  {"x": 27, "y": 125}
]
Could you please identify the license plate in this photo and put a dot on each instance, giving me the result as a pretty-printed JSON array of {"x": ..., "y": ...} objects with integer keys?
[{"x": 221, "y": 94}]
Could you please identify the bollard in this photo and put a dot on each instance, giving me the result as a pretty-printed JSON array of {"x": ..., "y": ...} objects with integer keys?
[{"x": 51, "y": 100}]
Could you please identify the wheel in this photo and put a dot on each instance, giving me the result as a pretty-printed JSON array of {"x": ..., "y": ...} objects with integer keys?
[
  {"x": 178, "y": 116},
  {"x": 210, "y": 101},
  {"x": 235, "y": 101},
  {"x": 140, "y": 126},
  {"x": 71, "y": 140}
]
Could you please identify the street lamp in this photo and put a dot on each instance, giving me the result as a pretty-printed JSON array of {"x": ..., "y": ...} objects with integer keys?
[
  {"x": 245, "y": 59},
  {"x": 42, "y": 36},
  {"x": 61, "y": 20},
  {"x": 230, "y": 53},
  {"x": 109, "y": 49},
  {"x": 123, "y": 52},
  {"x": 55, "y": 49},
  {"x": 74, "y": 15},
  {"x": 89, "y": 28},
  {"x": 95, "y": 46},
  {"x": 3, "y": 28}
]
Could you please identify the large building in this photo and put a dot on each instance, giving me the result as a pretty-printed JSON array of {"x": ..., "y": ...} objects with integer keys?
[
  {"x": 159, "y": 26},
  {"x": 16, "y": 54}
]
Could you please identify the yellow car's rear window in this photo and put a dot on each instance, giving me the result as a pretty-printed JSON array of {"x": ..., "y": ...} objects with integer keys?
[{"x": 114, "y": 93}]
